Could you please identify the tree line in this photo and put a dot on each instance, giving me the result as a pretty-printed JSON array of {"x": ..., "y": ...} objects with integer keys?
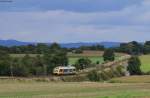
[
  {"x": 43, "y": 65},
  {"x": 134, "y": 48},
  {"x": 33, "y": 66}
]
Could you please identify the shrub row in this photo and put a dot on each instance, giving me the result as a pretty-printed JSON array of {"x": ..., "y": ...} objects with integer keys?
[{"x": 104, "y": 75}]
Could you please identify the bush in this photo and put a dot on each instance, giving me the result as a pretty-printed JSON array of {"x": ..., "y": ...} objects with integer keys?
[
  {"x": 83, "y": 63},
  {"x": 134, "y": 64},
  {"x": 78, "y": 51},
  {"x": 109, "y": 55},
  {"x": 104, "y": 75},
  {"x": 93, "y": 76},
  {"x": 97, "y": 62},
  {"x": 121, "y": 70}
]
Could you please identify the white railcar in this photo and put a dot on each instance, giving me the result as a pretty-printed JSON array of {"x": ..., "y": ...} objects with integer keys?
[{"x": 64, "y": 70}]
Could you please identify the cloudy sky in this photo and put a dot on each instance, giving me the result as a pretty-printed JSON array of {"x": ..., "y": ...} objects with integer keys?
[{"x": 75, "y": 20}]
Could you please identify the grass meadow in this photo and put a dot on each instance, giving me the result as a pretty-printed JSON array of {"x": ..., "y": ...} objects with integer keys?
[
  {"x": 31, "y": 89},
  {"x": 145, "y": 60}
]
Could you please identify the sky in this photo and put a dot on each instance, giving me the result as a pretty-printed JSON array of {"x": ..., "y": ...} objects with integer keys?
[{"x": 75, "y": 20}]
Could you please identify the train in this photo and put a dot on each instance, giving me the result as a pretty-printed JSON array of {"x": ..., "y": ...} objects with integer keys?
[{"x": 64, "y": 70}]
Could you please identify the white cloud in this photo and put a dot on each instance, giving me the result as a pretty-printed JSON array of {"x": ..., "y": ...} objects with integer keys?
[{"x": 131, "y": 23}]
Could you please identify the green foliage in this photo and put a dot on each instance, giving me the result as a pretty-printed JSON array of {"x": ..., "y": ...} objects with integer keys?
[
  {"x": 33, "y": 66},
  {"x": 82, "y": 63},
  {"x": 93, "y": 76},
  {"x": 41, "y": 48},
  {"x": 146, "y": 49},
  {"x": 27, "y": 66},
  {"x": 97, "y": 62},
  {"x": 94, "y": 47},
  {"x": 54, "y": 57},
  {"x": 77, "y": 51},
  {"x": 104, "y": 75},
  {"x": 4, "y": 63},
  {"x": 120, "y": 70},
  {"x": 109, "y": 55},
  {"x": 134, "y": 64},
  {"x": 133, "y": 48}
]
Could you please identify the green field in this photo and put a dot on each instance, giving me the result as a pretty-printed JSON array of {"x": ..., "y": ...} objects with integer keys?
[
  {"x": 17, "y": 89},
  {"x": 145, "y": 60}
]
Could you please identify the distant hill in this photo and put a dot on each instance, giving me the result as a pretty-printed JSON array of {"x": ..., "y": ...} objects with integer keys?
[
  {"x": 13, "y": 43},
  {"x": 105, "y": 44},
  {"x": 67, "y": 45}
]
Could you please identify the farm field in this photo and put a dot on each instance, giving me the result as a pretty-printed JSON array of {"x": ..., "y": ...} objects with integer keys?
[
  {"x": 30, "y": 89},
  {"x": 145, "y": 60}
]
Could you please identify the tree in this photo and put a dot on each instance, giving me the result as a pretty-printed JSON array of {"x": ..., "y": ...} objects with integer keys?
[
  {"x": 146, "y": 49},
  {"x": 83, "y": 63},
  {"x": 109, "y": 55},
  {"x": 4, "y": 63},
  {"x": 78, "y": 51},
  {"x": 133, "y": 48},
  {"x": 18, "y": 68},
  {"x": 37, "y": 66},
  {"x": 55, "y": 56},
  {"x": 41, "y": 48},
  {"x": 55, "y": 46},
  {"x": 134, "y": 64}
]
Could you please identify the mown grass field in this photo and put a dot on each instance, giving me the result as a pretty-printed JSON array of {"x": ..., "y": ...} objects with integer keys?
[
  {"x": 145, "y": 60},
  {"x": 30, "y": 89}
]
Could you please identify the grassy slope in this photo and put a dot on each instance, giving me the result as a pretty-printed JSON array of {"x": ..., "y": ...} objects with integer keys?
[
  {"x": 72, "y": 90},
  {"x": 145, "y": 59}
]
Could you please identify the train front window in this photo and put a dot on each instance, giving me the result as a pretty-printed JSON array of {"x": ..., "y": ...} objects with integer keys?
[
  {"x": 70, "y": 70},
  {"x": 61, "y": 70},
  {"x": 65, "y": 70}
]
